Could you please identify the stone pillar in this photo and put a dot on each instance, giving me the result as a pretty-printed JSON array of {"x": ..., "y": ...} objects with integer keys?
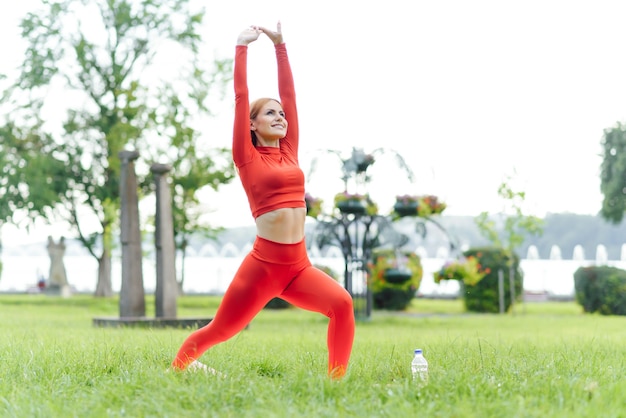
[
  {"x": 166, "y": 286},
  {"x": 132, "y": 297}
]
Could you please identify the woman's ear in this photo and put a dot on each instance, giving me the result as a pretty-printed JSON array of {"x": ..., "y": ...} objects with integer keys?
[{"x": 252, "y": 127}]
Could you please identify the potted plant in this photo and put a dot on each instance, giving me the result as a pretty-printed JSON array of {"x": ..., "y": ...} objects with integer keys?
[
  {"x": 363, "y": 161},
  {"x": 406, "y": 205},
  {"x": 412, "y": 205},
  {"x": 395, "y": 276},
  {"x": 350, "y": 203},
  {"x": 430, "y": 205},
  {"x": 313, "y": 205}
]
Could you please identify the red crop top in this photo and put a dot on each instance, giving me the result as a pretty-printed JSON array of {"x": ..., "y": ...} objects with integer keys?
[{"x": 270, "y": 176}]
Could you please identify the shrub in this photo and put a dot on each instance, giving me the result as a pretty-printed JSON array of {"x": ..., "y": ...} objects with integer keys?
[
  {"x": 484, "y": 296},
  {"x": 601, "y": 289},
  {"x": 468, "y": 270}
]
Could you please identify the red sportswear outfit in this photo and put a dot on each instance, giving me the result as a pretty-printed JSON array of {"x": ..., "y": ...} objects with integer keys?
[{"x": 272, "y": 179}]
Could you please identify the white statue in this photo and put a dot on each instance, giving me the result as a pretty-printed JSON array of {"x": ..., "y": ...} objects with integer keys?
[{"x": 57, "y": 276}]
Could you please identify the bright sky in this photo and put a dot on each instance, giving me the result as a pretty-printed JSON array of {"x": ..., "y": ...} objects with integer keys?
[{"x": 468, "y": 92}]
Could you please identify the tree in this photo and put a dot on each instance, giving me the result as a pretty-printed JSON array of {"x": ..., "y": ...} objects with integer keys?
[
  {"x": 187, "y": 180},
  {"x": 192, "y": 170},
  {"x": 613, "y": 174},
  {"x": 511, "y": 234},
  {"x": 31, "y": 179},
  {"x": 104, "y": 57}
]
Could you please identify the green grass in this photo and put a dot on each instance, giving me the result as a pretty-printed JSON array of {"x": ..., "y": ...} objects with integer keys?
[{"x": 546, "y": 360}]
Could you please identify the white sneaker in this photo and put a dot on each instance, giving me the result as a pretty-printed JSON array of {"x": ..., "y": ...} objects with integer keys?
[{"x": 197, "y": 366}]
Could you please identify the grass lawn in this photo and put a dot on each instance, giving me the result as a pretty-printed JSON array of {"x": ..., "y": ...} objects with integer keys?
[{"x": 545, "y": 360}]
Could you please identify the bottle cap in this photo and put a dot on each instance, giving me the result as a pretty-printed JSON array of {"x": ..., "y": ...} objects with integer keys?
[{"x": 418, "y": 351}]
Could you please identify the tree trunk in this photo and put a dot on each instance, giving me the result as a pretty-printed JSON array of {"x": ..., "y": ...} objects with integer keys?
[
  {"x": 0, "y": 252},
  {"x": 512, "y": 287},
  {"x": 181, "y": 283},
  {"x": 104, "y": 289}
]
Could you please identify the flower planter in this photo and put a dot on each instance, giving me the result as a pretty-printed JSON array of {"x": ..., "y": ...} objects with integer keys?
[
  {"x": 362, "y": 167},
  {"x": 312, "y": 211},
  {"x": 313, "y": 206},
  {"x": 406, "y": 209},
  {"x": 351, "y": 206},
  {"x": 397, "y": 276}
]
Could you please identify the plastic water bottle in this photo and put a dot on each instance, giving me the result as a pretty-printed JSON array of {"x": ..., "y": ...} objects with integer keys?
[{"x": 419, "y": 367}]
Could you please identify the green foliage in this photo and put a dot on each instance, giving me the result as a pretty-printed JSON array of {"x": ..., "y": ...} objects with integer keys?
[
  {"x": 613, "y": 173},
  {"x": 601, "y": 289},
  {"x": 468, "y": 270},
  {"x": 385, "y": 266},
  {"x": 192, "y": 167},
  {"x": 484, "y": 296},
  {"x": 31, "y": 176},
  {"x": 511, "y": 234}
]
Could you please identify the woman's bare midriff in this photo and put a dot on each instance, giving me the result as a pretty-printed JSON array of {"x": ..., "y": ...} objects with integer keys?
[{"x": 285, "y": 225}]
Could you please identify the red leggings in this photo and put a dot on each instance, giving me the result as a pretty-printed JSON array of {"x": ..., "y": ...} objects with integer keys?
[{"x": 273, "y": 270}]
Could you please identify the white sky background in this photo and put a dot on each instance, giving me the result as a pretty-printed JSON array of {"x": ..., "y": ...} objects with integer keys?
[{"x": 469, "y": 92}]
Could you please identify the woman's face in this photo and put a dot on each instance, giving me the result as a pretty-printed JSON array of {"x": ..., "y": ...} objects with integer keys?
[{"x": 270, "y": 123}]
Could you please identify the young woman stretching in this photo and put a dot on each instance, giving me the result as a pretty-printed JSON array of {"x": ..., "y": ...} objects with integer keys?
[{"x": 265, "y": 152}]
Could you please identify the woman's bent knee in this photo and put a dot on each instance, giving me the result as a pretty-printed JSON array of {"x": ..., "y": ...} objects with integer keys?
[{"x": 343, "y": 303}]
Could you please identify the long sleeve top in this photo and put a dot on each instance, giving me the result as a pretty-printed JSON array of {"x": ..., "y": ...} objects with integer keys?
[{"x": 271, "y": 177}]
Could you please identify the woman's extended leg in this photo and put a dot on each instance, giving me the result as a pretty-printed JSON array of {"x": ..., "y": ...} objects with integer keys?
[
  {"x": 316, "y": 291},
  {"x": 250, "y": 290}
]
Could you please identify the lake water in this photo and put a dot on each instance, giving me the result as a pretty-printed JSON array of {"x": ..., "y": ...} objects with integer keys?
[{"x": 212, "y": 275}]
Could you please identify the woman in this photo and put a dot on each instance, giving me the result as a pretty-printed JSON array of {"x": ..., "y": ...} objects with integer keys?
[{"x": 265, "y": 152}]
